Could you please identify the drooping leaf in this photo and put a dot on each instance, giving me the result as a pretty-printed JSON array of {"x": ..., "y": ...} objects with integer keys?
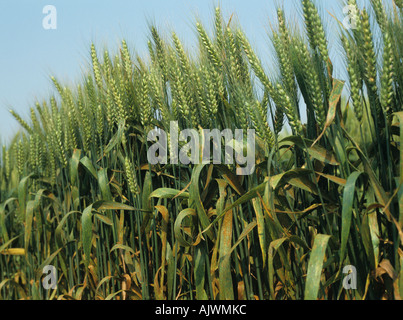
[{"x": 167, "y": 193}]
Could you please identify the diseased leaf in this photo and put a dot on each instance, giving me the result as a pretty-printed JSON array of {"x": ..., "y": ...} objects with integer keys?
[
  {"x": 224, "y": 265},
  {"x": 315, "y": 151},
  {"x": 167, "y": 193},
  {"x": 315, "y": 266}
]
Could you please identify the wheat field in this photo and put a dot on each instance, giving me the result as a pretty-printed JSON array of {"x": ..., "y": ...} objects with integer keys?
[{"x": 77, "y": 191}]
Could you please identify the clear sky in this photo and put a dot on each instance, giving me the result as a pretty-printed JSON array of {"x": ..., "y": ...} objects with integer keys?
[{"x": 29, "y": 54}]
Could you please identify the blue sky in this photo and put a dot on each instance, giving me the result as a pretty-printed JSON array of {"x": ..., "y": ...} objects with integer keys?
[{"x": 29, "y": 54}]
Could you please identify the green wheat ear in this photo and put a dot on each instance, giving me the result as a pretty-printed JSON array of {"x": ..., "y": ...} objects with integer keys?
[
  {"x": 127, "y": 62},
  {"x": 289, "y": 109},
  {"x": 354, "y": 75},
  {"x": 313, "y": 82},
  {"x": 131, "y": 177},
  {"x": 207, "y": 45},
  {"x": 315, "y": 30},
  {"x": 369, "y": 52},
  {"x": 21, "y": 122},
  {"x": 255, "y": 63},
  {"x": 380, "y": 14},
  {"x": 371, "y": 72},
  {"x": 145, "y": 106},
  {"x": 281, "y": 42},
  {"x": 20, "y": 157},
  {"x": 218, "y": 28},
  {"x": 387, "y": 78},
  {"x": 96, "y": 67}
]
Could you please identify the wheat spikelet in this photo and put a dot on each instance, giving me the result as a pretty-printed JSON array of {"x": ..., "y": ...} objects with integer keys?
[
  {"x": 178, "y": 89},
  {"x": 355, "y": 16},
  {"x": 57, "y": 85},
  {"x": 185, "y": 77},
  {"x": 32, "y": 152},
  {"x": 286, "y": 69},
  {"x": 120, "y": 112},
  {"x": 86, "y": 123},
  {"x": 70, "y": 105},
  {"x": 100, "y": 124},
  {"x": 208, "y": 46},
  {"x": 192, "y": 98},
  {"x": 308, "y": 8},
  {"x": 289, "y": 110},
  {"x": 35, "y": 152},
  {"x": 369, "y": 53},
  {"x": 263, "y": 123},
  {"x": 278, "y": 117},
  {"x": 127, "y": 61},
  {"x": 257, "y": 125},
  {"x": 282, "y": 48},
  {"x": 161, "y": 54},
  {"x": 96, "y": 67},
  {"x": 313, "y": 82},
  {"x": 21, "y": 121},
  {"x": 255, "y": 63},
  {"x": 354, "y": 76},
  {"x": 107, "y": 65},
  {"x": 380, "y": 14},
  {"x": 43, "y": 114},
  {"x": 52, "y": 162},
  {"x": 20, "y": 158},
  {"x": 177, "y": 109},
  {"x": 315, "y": 30},
  {"x": 151, "y": 52},
  {"x": 278, "y": 120},
  {"x": 242, "y": 107},
  {"x": 56, "y": 128},
  {"x": 201, "y": 99},
  {"x": 35, "y": 123},
  {"x": 71, "y": 132},
  {"x": 212, "y": 103},
  {"x": 122, "y": 84},
  {"x": 387, "y": 91},
  {"x": 7, "y": 168},
  {"x": 38, "y": 151},
  {"x": 71, "y": 124},
  {"x": 285, "y": 36},
  {"x": 183, "y": 59},
  {"x": 232, "y": 54},
  {"x": 145, "y": 107},
  {"x": 111, "y": 114},
  {"x": 155, "y": 85},
  {"x": 282, "y": 44},
  {"x": 92, "y": 95},
  {"x": 59, "y": 133},
  {"x": 131, "y": 177},
  {"x": 218, "y": 28},
  {"x": 370, "y": 72}
]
